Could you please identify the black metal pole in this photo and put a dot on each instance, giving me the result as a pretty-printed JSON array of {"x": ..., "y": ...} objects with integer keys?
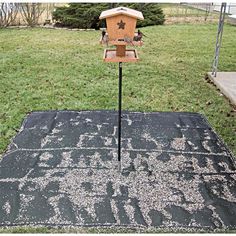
[{"x": 119, "y": 115}]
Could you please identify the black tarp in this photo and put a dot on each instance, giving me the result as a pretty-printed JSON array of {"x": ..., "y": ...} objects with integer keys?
[{"x": 61, "y": 169}]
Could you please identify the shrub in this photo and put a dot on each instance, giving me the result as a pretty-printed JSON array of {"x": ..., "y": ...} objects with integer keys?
[
  {"x": 80, "y": 15},
  {"x": 86, "y": 15},
  {"x": 152, "y": 12}
]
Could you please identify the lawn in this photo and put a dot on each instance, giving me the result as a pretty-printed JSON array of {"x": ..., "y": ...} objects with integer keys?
[
  {"x": 178, "y": 10},
  {"x": 42, "y": 69}
]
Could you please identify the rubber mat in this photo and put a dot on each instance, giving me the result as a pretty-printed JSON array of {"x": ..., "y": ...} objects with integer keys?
[{"x": 61, "y": 170}]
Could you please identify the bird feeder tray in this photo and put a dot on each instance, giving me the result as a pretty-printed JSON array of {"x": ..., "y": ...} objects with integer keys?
[
  {"x": 110, "y": 55},
  {"x": 133, "y": 43}
]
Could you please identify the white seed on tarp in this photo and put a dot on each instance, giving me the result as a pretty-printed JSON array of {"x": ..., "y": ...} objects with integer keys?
[
  {"x": 178, "y": 143},
  {"x": 206, "y": 146},
  {"x": 44, "y": 157},
  {"x": 66, "y": 159},
  {"x": 7, "y": 207}
]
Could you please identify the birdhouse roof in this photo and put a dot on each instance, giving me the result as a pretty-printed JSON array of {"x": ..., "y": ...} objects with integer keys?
[{"x": 121, "y": 11}]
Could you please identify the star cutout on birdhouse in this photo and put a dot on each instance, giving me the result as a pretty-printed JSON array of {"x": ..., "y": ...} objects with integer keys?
[{"x": 121, "y": 25}]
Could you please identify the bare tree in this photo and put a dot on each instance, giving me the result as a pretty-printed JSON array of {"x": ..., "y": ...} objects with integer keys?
[
  {"x": 49, "y": 9},
  {"x": 8, "y": 13},
  {"x": 31, "y": 12}
]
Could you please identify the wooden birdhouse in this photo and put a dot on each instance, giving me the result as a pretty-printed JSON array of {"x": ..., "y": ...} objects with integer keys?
[{"x": 120, "y": 31}]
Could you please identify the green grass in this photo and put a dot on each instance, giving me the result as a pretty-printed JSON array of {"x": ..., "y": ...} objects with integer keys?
[
  {"x": 43, "y": 69},
  {"x": 104, "y": 230},
  {"x": 77, "y": 230}
]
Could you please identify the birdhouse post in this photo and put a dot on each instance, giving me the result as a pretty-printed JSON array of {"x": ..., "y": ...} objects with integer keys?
[{"x": 120, "y": 31}]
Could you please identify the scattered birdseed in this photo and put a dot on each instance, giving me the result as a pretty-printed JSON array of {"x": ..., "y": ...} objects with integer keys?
[
  {"x": 45, "y": 157},
  {"x": 178, "y": 143},
  {"x": 7, "y": 207},
  {"x": 107, "y": 141},
  {"x": 206, "y": 146},
  {"x": 66, "y": 159},
  {"x": 69, "y": 176}
]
